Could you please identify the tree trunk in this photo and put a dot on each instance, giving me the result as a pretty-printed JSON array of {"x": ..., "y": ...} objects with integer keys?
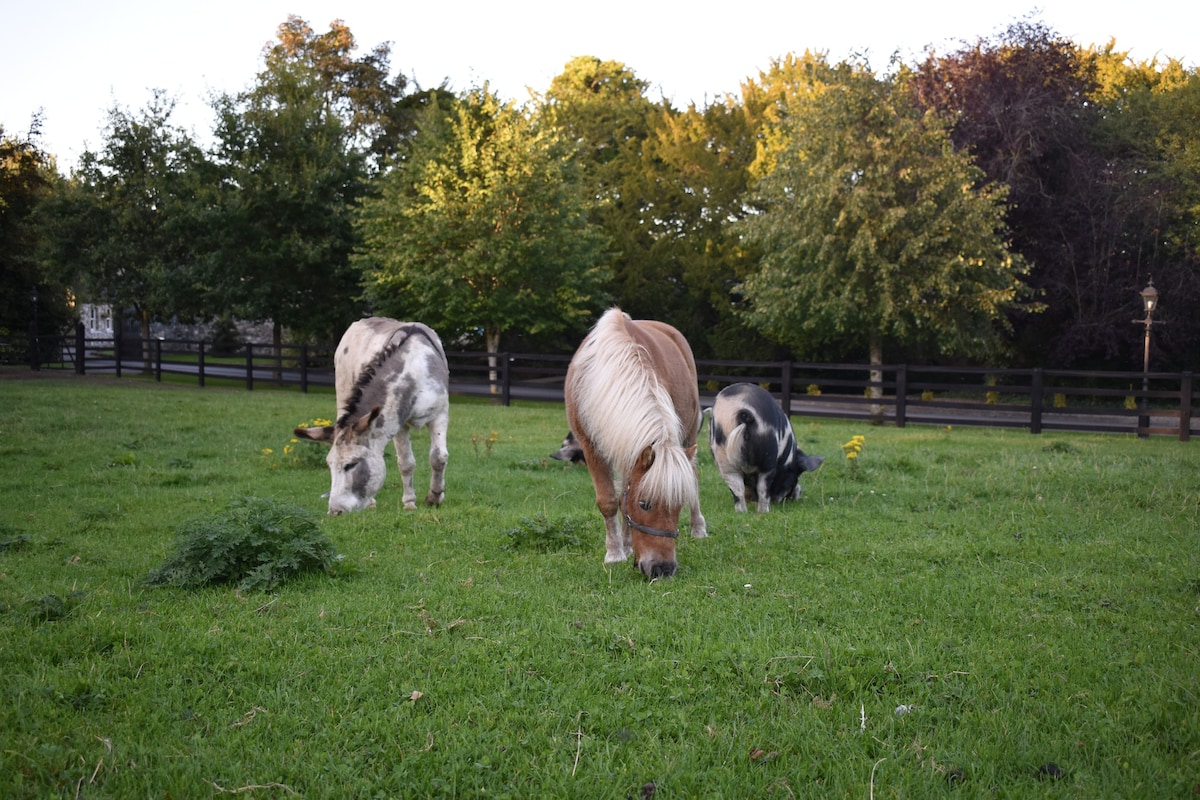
[
  {"x": 147, "y": 352},
  {"x": 876, "y": 376},
  {"x": 492, "y": 337}
]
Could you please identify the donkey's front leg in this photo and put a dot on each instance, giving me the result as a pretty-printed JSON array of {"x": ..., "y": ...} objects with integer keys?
[
  {"x": 407, "y": 464},
  {"x": 438, "y": 457}
]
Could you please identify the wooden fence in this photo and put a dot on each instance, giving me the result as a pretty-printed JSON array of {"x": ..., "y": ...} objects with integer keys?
[{"x": 1034, "y": 399}]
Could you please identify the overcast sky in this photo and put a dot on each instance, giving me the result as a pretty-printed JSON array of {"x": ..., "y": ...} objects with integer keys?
[{"x": 74, "y": 60}]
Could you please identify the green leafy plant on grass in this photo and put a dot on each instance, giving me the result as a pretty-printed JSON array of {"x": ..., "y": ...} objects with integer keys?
[
  {"x": 540, "y": 533},
  {"x": 254, "y": 543}
]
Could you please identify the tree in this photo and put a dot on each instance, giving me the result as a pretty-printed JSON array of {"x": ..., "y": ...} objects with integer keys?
[
  {"x": 1074, "y": 136},
  {"x": 112, "y": 230},
  {"x": 358, "y": 91},
  {"x": 692, "y": 178},
  {"x": 292, "y": 174},
  {"x": 1147, "y": 135},
  {"x": 27, "y": 179},
  {"x": 873, "y": 228},
  {"x": 482, "y": 226},
  {"x": 601, "y": 107}
]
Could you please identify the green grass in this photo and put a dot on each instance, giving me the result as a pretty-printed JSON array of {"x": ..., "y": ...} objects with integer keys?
[{"x": 1029, "y": 600}]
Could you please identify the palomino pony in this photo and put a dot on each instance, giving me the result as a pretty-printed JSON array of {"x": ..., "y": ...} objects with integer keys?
[
  {"x": 633, "y": 404},
  {"x": 391, "y": 377}
]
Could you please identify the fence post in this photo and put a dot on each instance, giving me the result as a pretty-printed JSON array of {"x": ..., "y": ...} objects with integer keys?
[
  {"x": 158, "y": 360},
  {"x": 901, "y": 395},
  {"x": 200, "y": 362},
  {"x": 785, "y": 387},
  {"x": 1185, "y": 406},
  {"x": 249, "y": 367},
  {"x": 80, "y": 344},
  {"x": 304, "y": 368},
  {"x": 1035, "y": 401},
  {"x": 117, "y": 344},
  {"x": 505, "y": 386}
]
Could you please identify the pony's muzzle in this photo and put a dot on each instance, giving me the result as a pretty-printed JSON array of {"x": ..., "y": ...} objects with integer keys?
[{"x": 654, "y": 568}]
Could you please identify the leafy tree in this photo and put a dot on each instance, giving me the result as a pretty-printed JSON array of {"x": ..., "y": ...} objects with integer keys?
[
  {"x": 482, "y": 225},
  {"x": 601, "y": 107},
  {"x": 872, "y": 228},
  {"x": 359, "y": 91},
  {"x": 693, "y": 176},
  {"x": 283, "y": 235},
  {"x": 1149, "y": 140},
  {"x": 112, "y": 228},
  {"x": 27, "y": 178},
  {"x": 1076, "y": 137}
]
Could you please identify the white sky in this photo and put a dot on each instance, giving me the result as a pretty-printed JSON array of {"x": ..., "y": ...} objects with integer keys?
[{"x": 74, "y": 59}]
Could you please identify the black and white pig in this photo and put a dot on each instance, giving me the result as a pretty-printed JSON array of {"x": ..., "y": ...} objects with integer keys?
[
  {"x": 754, "y": 447},
  {"x": 570, "y": 450}
]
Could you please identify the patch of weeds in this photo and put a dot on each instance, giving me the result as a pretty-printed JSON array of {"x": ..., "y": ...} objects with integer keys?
[
  {"x": 125, "y": 460},
  {"x": 488, "y": 443},
  {"x": 1060, "y": 447},
  {"x": 539, "y": 465},
  {"x": 12, "y": 540},
  {"x": 179, "y": 463},
  {"x": 51, "y": 607},
  {"x": 255, "y": 543},
  {"x": 543, "y": 534}
]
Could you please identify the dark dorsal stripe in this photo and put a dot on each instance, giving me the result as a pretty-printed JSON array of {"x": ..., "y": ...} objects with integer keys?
[{"x": 364, "y": 385}]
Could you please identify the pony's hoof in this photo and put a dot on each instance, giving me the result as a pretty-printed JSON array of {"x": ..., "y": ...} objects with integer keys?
[
  {"x": 409, "y": 505},
  {"x": 435, "y": 498}
]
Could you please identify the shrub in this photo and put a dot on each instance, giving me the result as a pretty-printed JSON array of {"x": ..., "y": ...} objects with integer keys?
[
  {"x": 543, "y": 534},
  {"x": 255, "y": 543}
]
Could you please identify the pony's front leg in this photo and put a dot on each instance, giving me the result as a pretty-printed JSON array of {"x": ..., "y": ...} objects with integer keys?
[
  {"x": 407, "y": 464},
  {"x": 438, "y": 456},
  {"x": 698, "y": 525},
  {"x": 617, "y": 544}
]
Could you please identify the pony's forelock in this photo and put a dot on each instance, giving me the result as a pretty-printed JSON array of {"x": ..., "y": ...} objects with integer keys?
[{"x": 671, "y": 478}]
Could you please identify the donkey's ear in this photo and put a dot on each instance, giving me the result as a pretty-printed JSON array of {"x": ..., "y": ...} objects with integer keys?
[
  {"x": 322, "y": 434},
  {"x": 364, "y": 422}
]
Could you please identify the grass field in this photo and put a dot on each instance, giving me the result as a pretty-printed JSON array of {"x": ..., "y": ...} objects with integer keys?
[{"x": 958, "y": 613}]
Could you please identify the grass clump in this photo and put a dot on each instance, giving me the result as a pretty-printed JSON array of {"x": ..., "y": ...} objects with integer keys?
[
  {"x": 255, "y": 543},
  {"x": 540, "y": 533}
]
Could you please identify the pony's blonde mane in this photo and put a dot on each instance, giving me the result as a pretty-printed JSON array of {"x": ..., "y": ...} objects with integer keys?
[{"x": 625, "y": 408}]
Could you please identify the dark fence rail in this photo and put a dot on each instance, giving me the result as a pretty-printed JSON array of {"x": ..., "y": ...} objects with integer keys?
[{"x": 1160, "y": 403}]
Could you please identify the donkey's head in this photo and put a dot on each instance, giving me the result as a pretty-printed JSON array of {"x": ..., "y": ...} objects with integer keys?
[{"x": 357, "y": 468}]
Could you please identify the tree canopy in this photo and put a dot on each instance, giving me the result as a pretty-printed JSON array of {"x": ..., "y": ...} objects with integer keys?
[
  {"x": 872, "y": 228},
  {"x": 481, "y": 226},
  {"x": 826, "y": 212}
]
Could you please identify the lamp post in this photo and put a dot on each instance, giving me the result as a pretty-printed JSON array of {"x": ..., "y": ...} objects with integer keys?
[{"x": 1150, "y": 304}]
